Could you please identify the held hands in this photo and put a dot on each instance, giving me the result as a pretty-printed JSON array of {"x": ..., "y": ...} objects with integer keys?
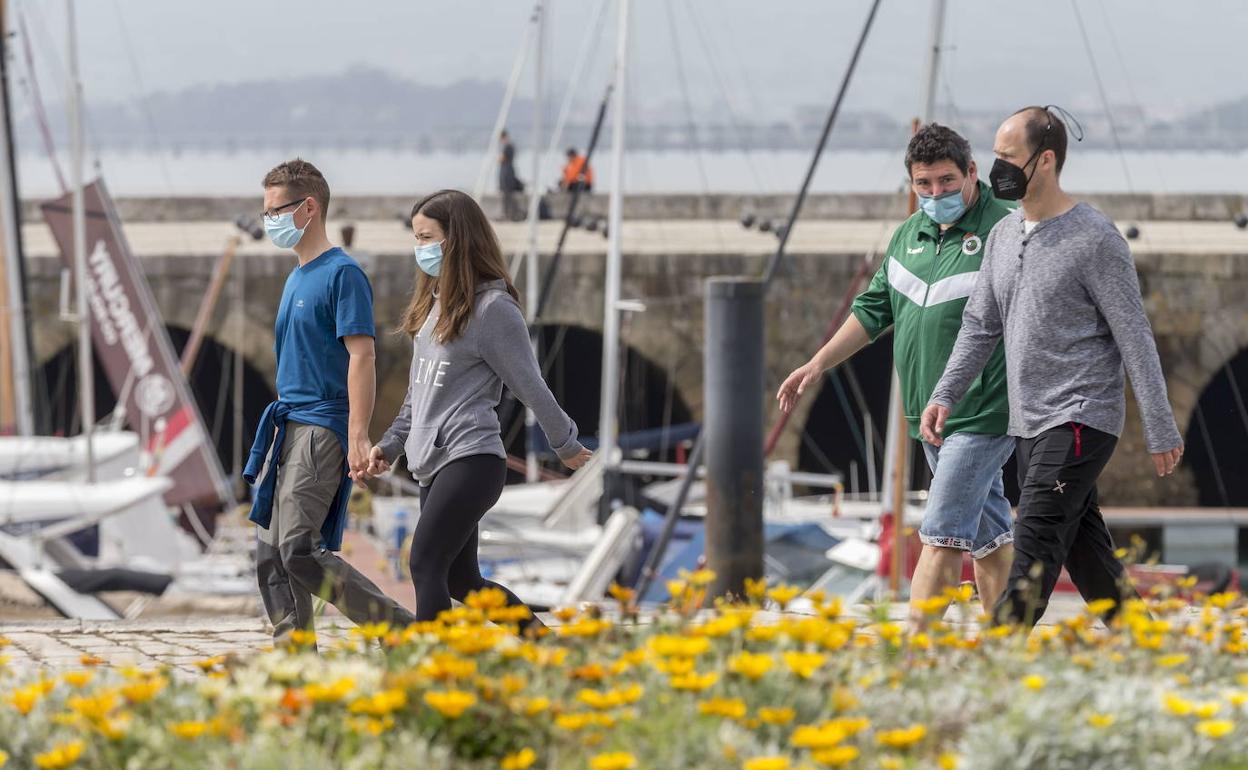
[
  {"x": 1165, "y": 462},
  {"x": 795, "y": 385},
  {"x": 581, "y": 458},
  {"x": 932, "y": 424},
  {"x": 357, "y": 456},
  {"x": 374, "y": 465}
]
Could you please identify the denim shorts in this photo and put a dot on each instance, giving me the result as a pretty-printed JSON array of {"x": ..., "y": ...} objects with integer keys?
[{"x": 966, "y": 506}]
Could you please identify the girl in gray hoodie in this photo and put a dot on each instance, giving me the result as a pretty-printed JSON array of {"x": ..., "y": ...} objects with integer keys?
[{"x": 469, "y": 339}]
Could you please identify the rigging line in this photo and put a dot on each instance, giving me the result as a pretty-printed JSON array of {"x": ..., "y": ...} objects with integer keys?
[
  {"x": 683, "y": 82},
  {"x": 1239, "y": 399},
  {"x": 773, "y": 264},
  {"x": 859, "y": 441},
  {"x": 157, "y": 140},
  {"x": 1139, "y": 105},
  {"x": 50, "y": 48},
  {"x": 1100, "y": 87},
  {"x": 31, "y": 83},
  {"x": 820, "y": 456},
  {"x": 1213, "y": 455},
  {"x": 717, "y": 76}
]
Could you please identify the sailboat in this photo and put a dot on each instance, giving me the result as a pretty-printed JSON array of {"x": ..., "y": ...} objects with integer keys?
[{"x": 92, "y": 512}]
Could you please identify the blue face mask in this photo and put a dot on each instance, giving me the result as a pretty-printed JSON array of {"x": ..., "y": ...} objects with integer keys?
[
  {"x": 282, "y": 231},
  {"x": 943, "y": 209},
  {"x": 429, "y": 259}
]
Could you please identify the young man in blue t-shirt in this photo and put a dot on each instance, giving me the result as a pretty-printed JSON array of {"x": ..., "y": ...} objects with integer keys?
[{"x": 315, "y": 436}]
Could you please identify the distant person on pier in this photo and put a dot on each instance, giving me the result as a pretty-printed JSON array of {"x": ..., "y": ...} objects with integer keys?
[
  {"x": 577, "y": 174},
  {"x": 919, "y": 292},
  {"x": 1060, "y": 288},
  {"x": 508, "y": 182}
]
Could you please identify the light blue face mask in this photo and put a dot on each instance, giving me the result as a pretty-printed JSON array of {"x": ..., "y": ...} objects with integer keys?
[
  {"x": 282, "y": 231},
  {"x": 429, "y": 258},
  {"x": 943, "y": 209}
]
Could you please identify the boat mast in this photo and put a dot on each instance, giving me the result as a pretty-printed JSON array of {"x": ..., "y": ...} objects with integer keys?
[
  {"x": 86, "y": 371},
  {"x": 607, "y": 427},
  {"x": 531, "y": 288},
  {"x": 17, "y": 413},
  {"x": 897, "y": 448}
]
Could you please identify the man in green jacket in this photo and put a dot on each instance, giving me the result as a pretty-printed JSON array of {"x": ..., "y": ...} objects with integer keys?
[{"x": 928, "y": 272}]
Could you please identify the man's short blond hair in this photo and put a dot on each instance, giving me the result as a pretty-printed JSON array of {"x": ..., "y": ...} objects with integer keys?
[{"x": 302, "y": 179}]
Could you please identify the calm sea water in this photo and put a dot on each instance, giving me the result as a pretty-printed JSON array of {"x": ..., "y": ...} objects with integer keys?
[{"x": 388, "y": 172}]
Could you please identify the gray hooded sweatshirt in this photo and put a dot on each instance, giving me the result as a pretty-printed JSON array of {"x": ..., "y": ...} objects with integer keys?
[
  {"x": 1066, "y": 299},
  {"x": 453, "y": 389}
]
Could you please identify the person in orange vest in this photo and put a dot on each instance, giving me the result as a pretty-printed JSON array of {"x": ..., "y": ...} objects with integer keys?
[{"x": 577, "y": 175}]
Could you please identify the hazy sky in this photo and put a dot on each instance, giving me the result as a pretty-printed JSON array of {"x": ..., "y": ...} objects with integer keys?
[{"x": 1170, "y": 56}]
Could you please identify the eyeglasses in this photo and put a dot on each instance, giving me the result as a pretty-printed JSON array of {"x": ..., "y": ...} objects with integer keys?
[{"x": 272, "y": 214}]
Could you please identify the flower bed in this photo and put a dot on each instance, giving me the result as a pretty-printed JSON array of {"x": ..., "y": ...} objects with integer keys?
[{"x": 727, "y": 689}]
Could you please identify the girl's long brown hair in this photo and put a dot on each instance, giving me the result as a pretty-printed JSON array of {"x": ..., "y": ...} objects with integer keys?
[{"x": 471, "y": 255}]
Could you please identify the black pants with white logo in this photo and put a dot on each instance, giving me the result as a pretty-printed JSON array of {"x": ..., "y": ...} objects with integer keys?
[{"x": 1060, "y": 524}]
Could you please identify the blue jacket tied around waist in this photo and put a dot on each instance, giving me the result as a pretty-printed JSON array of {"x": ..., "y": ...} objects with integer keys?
[{"x": 271, "y": 435}]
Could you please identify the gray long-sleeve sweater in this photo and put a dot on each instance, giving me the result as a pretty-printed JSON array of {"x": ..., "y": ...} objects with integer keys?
[
  {"x": 1066, "y": 298},
  {"x": 453, "y": 389}
]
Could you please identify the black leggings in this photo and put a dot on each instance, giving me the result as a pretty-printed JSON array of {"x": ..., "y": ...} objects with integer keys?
[{"x": 444, "y": 545}]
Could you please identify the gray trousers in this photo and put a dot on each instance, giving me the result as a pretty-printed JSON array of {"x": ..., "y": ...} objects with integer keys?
[{"x": 291, "y": 564}]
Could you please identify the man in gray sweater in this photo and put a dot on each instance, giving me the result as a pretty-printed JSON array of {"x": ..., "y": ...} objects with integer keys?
[{"x": 1058, "y": 283}]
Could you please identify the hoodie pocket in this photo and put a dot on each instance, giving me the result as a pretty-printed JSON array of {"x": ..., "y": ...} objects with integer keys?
[{"x": 424, "y": 446}]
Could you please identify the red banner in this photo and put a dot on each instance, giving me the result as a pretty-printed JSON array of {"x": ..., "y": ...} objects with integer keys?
[{"x": 132, "y": 344}]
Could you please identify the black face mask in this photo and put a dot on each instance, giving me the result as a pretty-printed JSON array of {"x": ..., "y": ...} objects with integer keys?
[{"x": 1009, "y": 182}]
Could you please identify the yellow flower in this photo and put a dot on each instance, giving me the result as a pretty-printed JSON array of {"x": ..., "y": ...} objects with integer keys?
[
  {"x": 750, "y": 665},
  {"x": 677, "y": 588},
  {"x": 1098, "y": 607},
  {"x": 24, "y": 699},
  {"x": 564, "y": 614},
  {"x": 932, "y": 606},
  {"x": 60, "y": 756},
  {"x": 1215, "y": 729},
  {"x": 762, "y": 633},
  {"x": 767, "y": 763},
  {"x": 783, "y": 594},
  {"x": 947, "y": 761},
  {"x": 330, "y": 693},
  {"x": 902, "y": 738},
  {"x": 729, "y": 708},
  {"x": 379, "y": 704},
  {"x": 519, "y": 760},
  {"x": 837, "y": 756},
  {"x": 4, "y": 755},
  {"x": 804, "y": 664},
  {"x": 621, "y": 594},
  {"x": 755, "y": 589},
  {"x": 670, "y": 646},
  {"x": 302, "y": 637},
  {"x": 95, "y": 707},
  {"x": 1176, "y": 705},
  {"x": 1206, "y": 710},
  {"x": 371, "y": 632},
  {"x": 888, "y": 762},
  {"x": 486, "y": 599},
  {"x": 444, "y": 666},
  {"x": 1223, "y": 600},
  {"x": 693, "y": 681},
  {"x": 699, "y": 578},
  {"x": 822, "y": 736},
  {"x": 1101, "y": 720},
  {"x": 79, "y": 679},
  {"x": 843, "y": 699},
  {"x": 1170, "y": 661},
  {"x": 776, "y": 716},
  {"x": 92, "y": 660},
  {"x": 585, "y": 627},
  {"x": 450, "y": 703},
  {"x": 620, "y": 760},
  {"x": 962, "y": 594},
  {"x": 534, "y": 706},
  {"x": 143, "y": 690},
  {"x": 188, "y": 731},
  {"x": 1034, "y": 682}
]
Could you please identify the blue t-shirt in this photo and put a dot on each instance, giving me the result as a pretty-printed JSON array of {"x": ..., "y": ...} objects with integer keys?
[{"x": 325, "y": 300}]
